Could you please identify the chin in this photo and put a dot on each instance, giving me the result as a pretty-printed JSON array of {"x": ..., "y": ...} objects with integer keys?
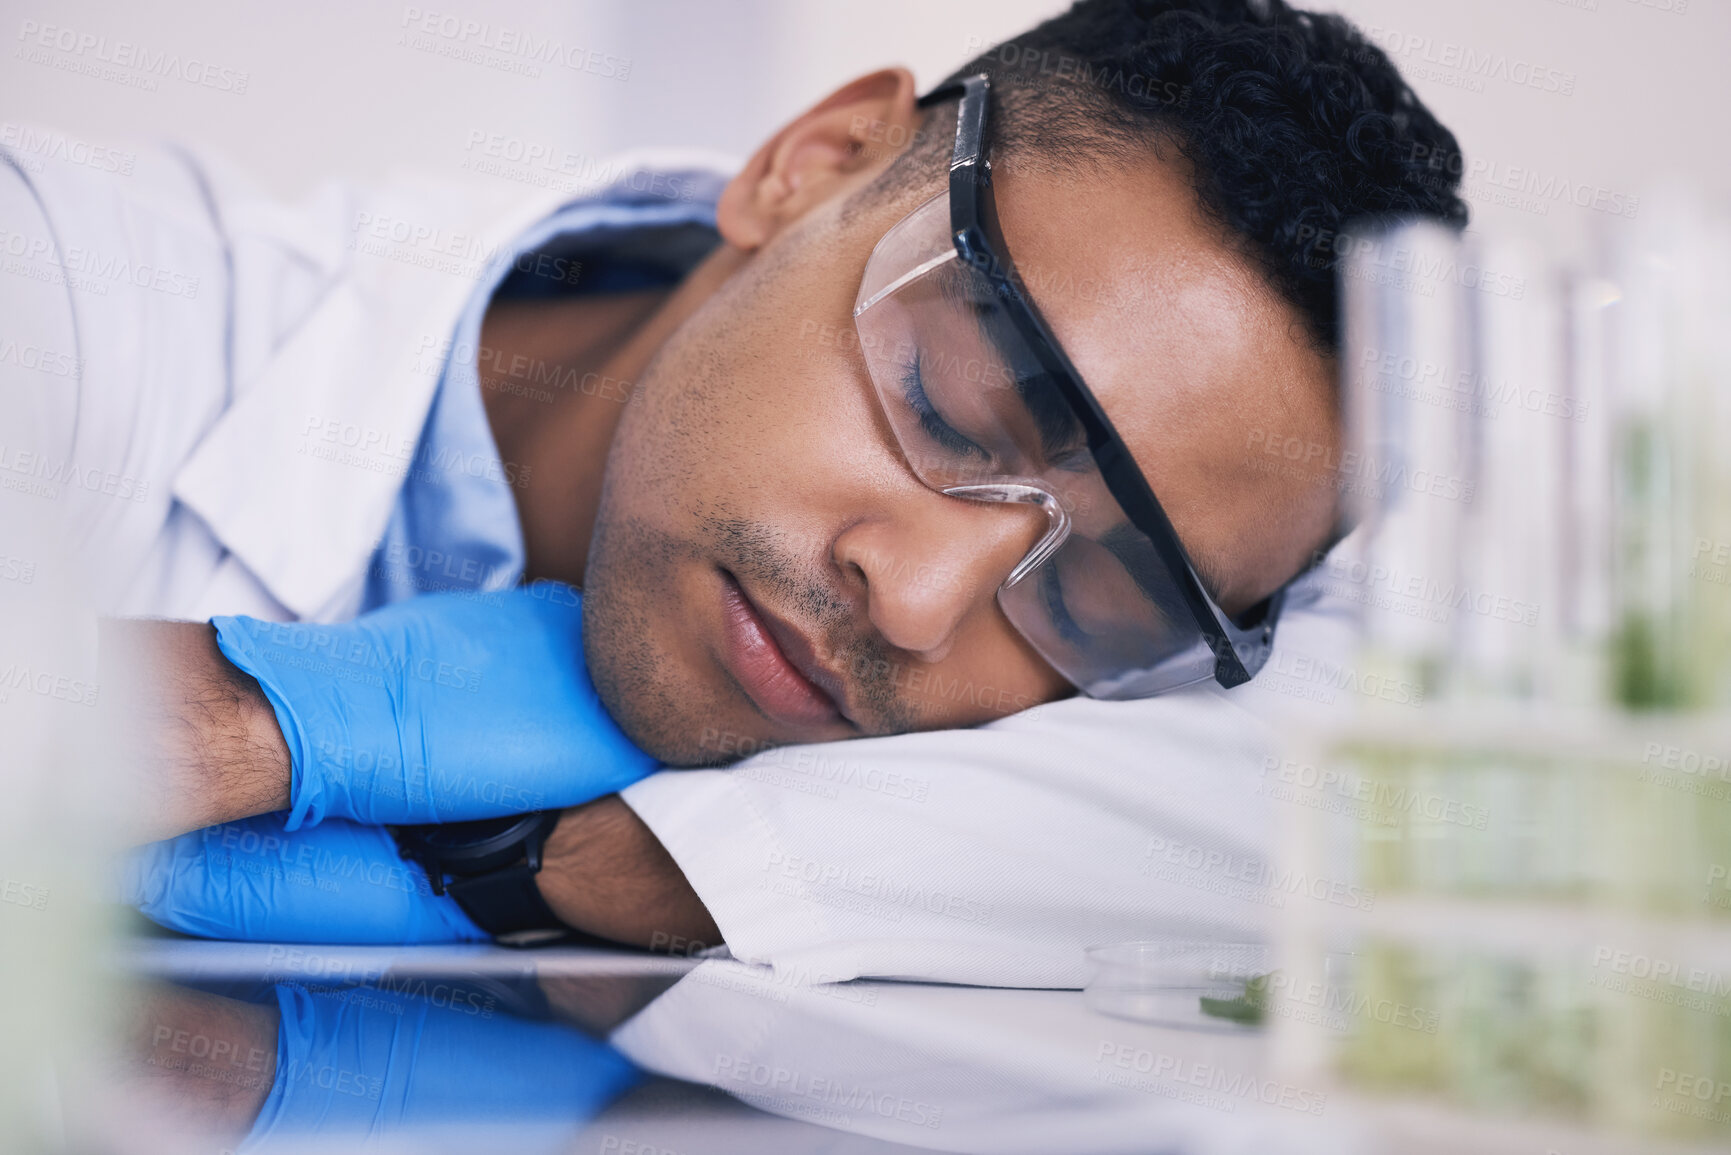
[
  {"x": 629, "y": 673},
  {"x": 649, "y": 686}
]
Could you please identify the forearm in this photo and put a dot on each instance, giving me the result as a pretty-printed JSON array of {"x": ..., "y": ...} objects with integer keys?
[
  {"x": 607, "y": 874},
  {"x": 208, "y": 749},
  {"x": 206, "y": 1063},
  {"x": 201, "y": 735}
]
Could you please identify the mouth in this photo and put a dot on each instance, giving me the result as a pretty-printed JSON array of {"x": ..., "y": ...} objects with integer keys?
[{"x": 775, "y": 664}]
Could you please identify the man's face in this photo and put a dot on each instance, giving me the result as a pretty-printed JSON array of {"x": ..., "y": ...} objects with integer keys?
[{"x": 767, "y": 569}]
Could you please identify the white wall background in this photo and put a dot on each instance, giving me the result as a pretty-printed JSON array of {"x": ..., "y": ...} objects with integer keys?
[{"x": 333, "y": 88}]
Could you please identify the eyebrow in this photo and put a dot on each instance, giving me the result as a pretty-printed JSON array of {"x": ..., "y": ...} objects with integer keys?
[{"x": 1136, "y": 553}]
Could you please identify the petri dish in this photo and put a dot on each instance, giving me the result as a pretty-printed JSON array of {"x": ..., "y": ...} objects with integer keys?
[{"x": 1197, "y": 984}]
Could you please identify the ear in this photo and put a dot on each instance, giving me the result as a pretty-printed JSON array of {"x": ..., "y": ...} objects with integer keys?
[{"x": 812, "y": 157}]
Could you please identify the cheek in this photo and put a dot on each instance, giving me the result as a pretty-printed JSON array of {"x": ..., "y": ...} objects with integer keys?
[
  {"x": 991, "y": 674},
  {"x": 763, "y": 417}
]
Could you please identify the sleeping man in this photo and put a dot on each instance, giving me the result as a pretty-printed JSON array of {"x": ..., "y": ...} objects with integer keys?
[{"x": 968, "y": 408}]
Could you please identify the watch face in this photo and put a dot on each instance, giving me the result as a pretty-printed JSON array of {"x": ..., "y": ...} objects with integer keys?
[{"x": 456, "y": 841}]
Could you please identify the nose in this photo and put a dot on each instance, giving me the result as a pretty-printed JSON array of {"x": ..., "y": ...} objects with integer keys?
[{"x": 932, "y": 561}]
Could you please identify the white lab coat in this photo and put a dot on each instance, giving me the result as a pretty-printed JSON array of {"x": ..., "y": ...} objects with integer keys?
[
  {"x": 257, "y": 330},
  {"x": 208, "y": 329}
]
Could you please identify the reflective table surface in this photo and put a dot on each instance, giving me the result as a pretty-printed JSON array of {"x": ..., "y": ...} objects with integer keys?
[
  {"x": 244, "y": 1047},
  {"x": 230, "y": 1047}
]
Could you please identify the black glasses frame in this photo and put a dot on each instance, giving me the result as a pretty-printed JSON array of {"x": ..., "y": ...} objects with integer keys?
[{"x": 980, "y": 242}]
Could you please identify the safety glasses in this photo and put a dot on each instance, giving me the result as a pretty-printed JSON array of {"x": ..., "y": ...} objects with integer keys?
[{"x": 985, "y": 406}]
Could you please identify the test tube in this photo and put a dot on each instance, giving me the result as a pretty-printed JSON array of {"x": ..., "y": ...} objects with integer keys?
[
  {"x": 1591, "y": 308},
  {"x": 1407, "y": 473},
  {"x": 1512, "y": 397},
  {"x": 1668, "y": 633}
]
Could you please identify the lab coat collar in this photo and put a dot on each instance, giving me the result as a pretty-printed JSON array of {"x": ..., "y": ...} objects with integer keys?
[{"x": 299, "y": 475}]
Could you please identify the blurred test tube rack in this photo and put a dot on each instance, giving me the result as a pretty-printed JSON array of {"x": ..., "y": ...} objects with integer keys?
[{"x": 1536, "y": 461}]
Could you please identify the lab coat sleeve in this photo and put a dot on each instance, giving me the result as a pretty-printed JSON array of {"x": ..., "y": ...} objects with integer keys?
[
  {"x": 994, "y": 856},
  {"x": 989, "y": 856}
]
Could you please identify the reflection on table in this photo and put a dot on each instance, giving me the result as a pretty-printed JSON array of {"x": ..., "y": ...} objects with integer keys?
[{"x": 271, "y": 1048}]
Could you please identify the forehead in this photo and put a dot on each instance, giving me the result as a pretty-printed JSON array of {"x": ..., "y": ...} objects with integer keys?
[
  {"x": 1166, "y": 320},
  {"x": 1185, "y": 343}
]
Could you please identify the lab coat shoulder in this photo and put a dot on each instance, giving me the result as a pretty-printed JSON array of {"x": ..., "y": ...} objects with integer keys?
[
  {"x": 339, "y": 373},
  {"x": 251, "y": 375},
  {"x": 114, "y": 252}
]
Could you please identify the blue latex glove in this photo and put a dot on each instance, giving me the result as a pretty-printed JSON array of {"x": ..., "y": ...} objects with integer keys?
[
  {"x": 337, "y": 882},
  {"x": 440, "y": 708},
  {"x": 387, "y": 1064}
]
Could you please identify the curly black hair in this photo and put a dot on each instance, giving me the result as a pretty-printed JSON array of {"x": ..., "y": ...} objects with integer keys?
[{"x": 1294, "y": 123}]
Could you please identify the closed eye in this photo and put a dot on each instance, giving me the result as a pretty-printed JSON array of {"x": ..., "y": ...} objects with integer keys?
[{"x": 931, "y": 421}]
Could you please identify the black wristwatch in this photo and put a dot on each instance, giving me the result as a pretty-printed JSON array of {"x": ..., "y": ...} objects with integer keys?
[{"x": 489, "y": 867}]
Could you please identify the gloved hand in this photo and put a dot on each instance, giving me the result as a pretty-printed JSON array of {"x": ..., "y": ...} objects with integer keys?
[
  {"x": 337, "y": 882},
  {"x": 390, "y": 1065},
  {"x": 439, "y": 708}
]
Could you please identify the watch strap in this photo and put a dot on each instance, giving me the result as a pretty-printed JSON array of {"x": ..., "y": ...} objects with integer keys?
[{"x": 505, "y": 901}]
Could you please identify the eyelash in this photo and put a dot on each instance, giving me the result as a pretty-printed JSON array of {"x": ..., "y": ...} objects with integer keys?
[
  {"x": 1077, "y": 460},
  {"x": 1053, "y": 594},
  {"x": 939, "y": 430}
]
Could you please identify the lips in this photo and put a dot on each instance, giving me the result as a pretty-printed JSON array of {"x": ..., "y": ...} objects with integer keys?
[{"x": 774, "y": 664}]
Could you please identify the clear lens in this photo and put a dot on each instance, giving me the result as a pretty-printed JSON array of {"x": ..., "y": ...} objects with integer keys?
[
  {"x": 947, "y": 367},
  {"x": 976, "y": 416},
  {"x": 1110, "y": 618}
]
